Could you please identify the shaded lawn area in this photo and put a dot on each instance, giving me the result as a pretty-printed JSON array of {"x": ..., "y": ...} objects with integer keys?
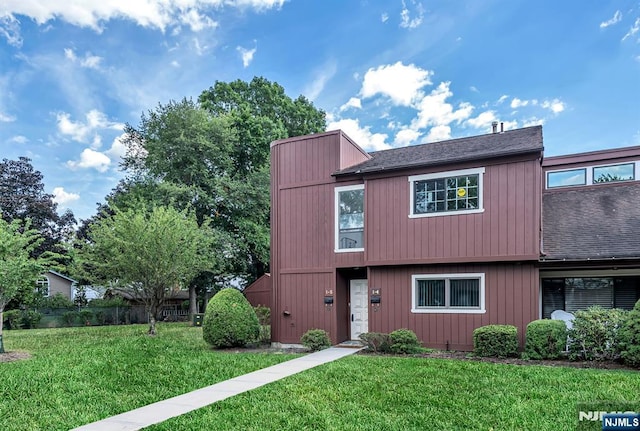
[
  {"x": 391, "y": 393},
  {"x": 80, "y": 375}
]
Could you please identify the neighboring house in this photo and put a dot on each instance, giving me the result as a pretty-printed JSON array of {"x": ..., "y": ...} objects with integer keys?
[
  {"x": 259, "y": 292},
  {"x": 443, "y": 238},
  {"x": 53, "y": 282},
  {"x": 172, "y": 309}
]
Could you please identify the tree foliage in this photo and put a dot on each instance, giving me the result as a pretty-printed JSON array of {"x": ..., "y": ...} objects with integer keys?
[
  {"x": 151, "y": 251},
  {"x": 18, "y": 269}
]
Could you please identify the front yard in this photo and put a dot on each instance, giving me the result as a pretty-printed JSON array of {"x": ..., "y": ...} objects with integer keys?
[{"x": 79, "y": 375}]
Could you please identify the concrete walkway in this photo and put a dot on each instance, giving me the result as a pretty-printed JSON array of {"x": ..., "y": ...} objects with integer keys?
[{"x": 176, "y": 406}]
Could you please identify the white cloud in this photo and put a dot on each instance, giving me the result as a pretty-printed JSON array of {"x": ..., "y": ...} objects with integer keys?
[
  {"x": 81, "y": 131},
  {"x": 322, "y": 75},
  {"x": 354, "y": 102},
  {"x": 474, "y": 89},
  {"x": 633, "y": 30},
  {"x": 533, "y": 121},
  {"x": 384, "y": 17},
  {"x": 157, "y": 14},
  {"x": 174, "y": 63},
  {"x": 196, "y": 21},
  {"x": 200, "y": 49},
  {"x": 502, "y": 99},
  {"x": 361, "y": 135},
  {"x": 616, "y": 19},
  {"x": 399, "y": 82},
  {"x": 556, "y": 106},
  {"x": 60, "y": 196},
  {"x": 405, "y": 137},
  {"x": 483, "y": 120},
  {"x": 517, "y": 103},
  {"x": 89, "y": 61},
  {"x": 247, "y": 55},
  {"x": 91, "y": 159},
  {"x": 406, "y": 21},
  {"x": 10, "y": 30},
  {"x": 5, "y": 118},
  {"x": 438, "y": 133},
  {"x": 433, "y": 110},
  {"x": 118, "y": 150},
  {"x": 19, "y": 139}
]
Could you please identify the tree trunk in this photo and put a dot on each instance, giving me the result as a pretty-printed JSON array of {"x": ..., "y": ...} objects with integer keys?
[
  {"x": 152, "y": 324},
  {"x": 1, "y": 343},
  {"x": 193, "y": 302}
]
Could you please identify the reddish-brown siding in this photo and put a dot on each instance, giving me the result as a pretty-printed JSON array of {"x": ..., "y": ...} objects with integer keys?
[
  {"x": 511, "y": 295},
  {"x": 259, "y": 292},
  {"x": 508, "y": 229}
]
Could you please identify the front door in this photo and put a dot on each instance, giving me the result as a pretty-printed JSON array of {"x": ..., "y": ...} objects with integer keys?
[{"x": 359, "y": 308}]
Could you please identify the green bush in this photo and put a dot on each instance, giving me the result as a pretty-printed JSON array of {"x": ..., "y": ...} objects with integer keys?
[
  {"x": 69, "y": 317},
  {"x": 499, "y": 341},
  {"x": 315, "y": 339},
  {"x": 546, "y": 339},
  {"x": 229, "y": 320},
  {"x": 264, "y": 318},
  {"x": 377, "y": 342},
  {"x": 57, "y": 301},
  {"x": 85, "y": 317},
  {"x": 30, "y": 319},
  {"x": 404, "y": 341},
  {"x": 630, "y": 338},
  {"x": 13, "y": 319},
  {"x": 107, "y": 303},
  {"x": 595, "y": 334}
]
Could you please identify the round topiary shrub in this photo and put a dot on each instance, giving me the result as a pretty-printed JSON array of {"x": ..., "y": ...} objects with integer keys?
[
  {"x": 404, "y": 341},
  {"x": 497, "y": 341},
  {"x": 630, "y": 338},
  {"x": 229, "y": 320},
  {"x": 595, "y": 335},
  {"x": 315, "y": 339},
  {"x": 546, "y": 339}
]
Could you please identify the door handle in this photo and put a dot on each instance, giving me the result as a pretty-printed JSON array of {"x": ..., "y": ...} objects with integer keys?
[{"x": 352, "y": 317}]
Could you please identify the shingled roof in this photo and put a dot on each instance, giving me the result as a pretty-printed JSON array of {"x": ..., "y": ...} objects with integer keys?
[
  {"x": 600, "y": 222},
  {"x": 513, "y": 142}
]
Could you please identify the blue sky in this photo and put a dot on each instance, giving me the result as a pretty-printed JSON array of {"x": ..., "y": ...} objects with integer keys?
[{"x": 390, "y": 73}]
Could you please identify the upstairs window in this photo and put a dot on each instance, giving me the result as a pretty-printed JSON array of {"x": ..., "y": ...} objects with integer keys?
[
  {"x": 607, "y": 174},
  {"x": 592, "y": 175},
  {"x": 445, "y": 193},
  {"x": 42, "y": 286},
  {"x": 448, "y": 293},
  {"x": 574, "y": 177},
  {"x": 349, "y": 203}
]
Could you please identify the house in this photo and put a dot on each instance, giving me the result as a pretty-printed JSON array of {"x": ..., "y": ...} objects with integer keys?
[
  {"x": 52, "y": 283},
  {"x": 172, "y": 309},
  {"x": 258, "y": 293},
  {"x": 443, "y": 238}
]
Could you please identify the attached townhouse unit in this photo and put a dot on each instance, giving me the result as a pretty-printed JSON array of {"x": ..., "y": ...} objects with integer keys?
[{"x": 445, "y": 237}]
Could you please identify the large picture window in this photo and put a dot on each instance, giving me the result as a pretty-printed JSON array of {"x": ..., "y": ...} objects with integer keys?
[
  {"x": 448, "y": 293},
  {"x": 349, "y": 218},
  {"x": 454, "y": 192}
]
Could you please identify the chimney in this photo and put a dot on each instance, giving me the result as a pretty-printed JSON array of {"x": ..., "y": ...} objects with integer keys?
[
  {"x": 494, "y": 126},
  {"x": 501, "y": 127}
]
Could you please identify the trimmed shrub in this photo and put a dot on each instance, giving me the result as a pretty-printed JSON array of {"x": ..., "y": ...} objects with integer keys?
[
  {"x": 498, "y": 341},
  {"x": 69, "y": 317},
  {"x": 85, "y": 317},
  {"x": 630, "y": 338},
  {"x": 57, "y": 301},
  {"x": 13, "y": 319},
  {"x": 315, "y": 339},
  {"x": 595, "y": 335},
  {"x": 404, "y": 341},
  {"x": 30, "y": 319},
  {"x": 546, "y": 339},
  {"x": 229, "y": 320},
  {"x": 377, "y": 342}
]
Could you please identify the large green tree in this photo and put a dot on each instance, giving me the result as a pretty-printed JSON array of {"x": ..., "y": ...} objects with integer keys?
[
  {"x": 150, "y": 251},
  {"x": 19, "y": 270}
]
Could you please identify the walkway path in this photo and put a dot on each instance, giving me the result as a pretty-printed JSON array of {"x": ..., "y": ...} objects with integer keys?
[{"x": 176, "y": 406}]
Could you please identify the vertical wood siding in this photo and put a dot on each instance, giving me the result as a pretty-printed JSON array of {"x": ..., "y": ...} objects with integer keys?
[{"x": 511, "y": 297}]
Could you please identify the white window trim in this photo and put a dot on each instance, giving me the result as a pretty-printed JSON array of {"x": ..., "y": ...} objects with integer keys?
[
  {"x": 440, "y": 310},
  {"x": 44, "y": 281},
  {"x": 413, "y": 178},
  {"x": 336, "y": 218},
  {"x": 589, "y": 174}
]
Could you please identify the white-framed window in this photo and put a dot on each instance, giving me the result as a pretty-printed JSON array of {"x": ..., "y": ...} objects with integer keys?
[
  {"x": 446, "y": 193},
  {"x": 592, "y": 175},
  {"x": 447, "y": 293},
  {"x": 567, "y": 178},
  {"x": 42, "y": 286},
  {"x": 349, "y": 218}
]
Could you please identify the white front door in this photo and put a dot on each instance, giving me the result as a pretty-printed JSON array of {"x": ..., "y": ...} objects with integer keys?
[{"x": 359, "y": 308}]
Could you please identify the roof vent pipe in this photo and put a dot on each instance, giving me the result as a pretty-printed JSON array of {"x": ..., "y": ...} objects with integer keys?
[
  {"x": 501, "y": 127},
  {"x": 494, "y": 126}
]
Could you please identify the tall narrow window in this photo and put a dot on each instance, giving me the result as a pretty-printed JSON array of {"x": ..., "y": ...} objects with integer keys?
[{"x": 350, "y": 218}]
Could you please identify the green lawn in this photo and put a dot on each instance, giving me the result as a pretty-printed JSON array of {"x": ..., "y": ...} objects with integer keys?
[{"x": 79, "y": 375}]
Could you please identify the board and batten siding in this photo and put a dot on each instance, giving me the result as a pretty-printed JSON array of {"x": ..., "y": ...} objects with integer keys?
[
  {"x": 508, "y": 229},
  {"x": 511, "y": 297}
]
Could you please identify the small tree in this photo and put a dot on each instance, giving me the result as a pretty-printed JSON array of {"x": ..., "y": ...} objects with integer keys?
[
  {"x": 18, "y": 270},
  {"x": 149, "y": 251}
]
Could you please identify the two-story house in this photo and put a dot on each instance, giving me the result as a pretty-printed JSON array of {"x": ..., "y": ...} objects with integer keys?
[{"x": 440, "y": 238}]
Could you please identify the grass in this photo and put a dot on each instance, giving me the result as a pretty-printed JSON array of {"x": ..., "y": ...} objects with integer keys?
[{"x": 79, "y": 375}]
